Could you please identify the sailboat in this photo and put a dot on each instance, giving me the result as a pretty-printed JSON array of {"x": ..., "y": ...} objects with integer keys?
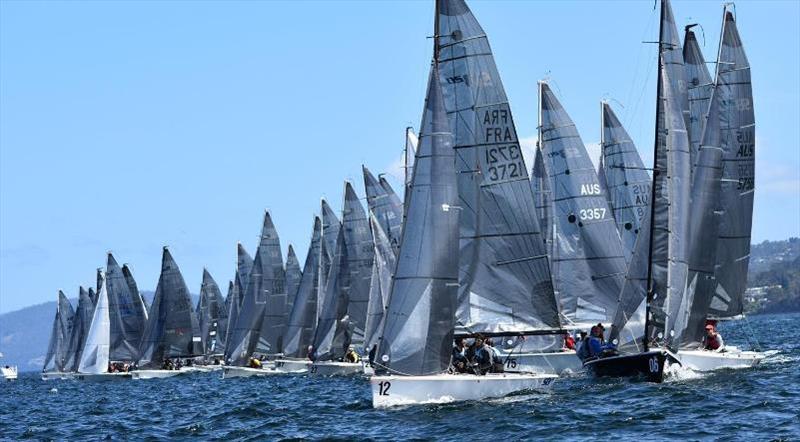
[
  {"x": 80, "y": 329},
  {"x": 587, "y": 259},
  {"x": 212, "y": 316},
  {"x": 259, "y": 329},
  {"x": 627, "y": 183},
  {"x": 55, "y": 362},
  {"x": 96, "y": 355},
  {"x": 126, "y": 314},
  {"x": 303, "y": 316},
  {"x": 415, "y": 349},
  {"x": 653, "y": 294},
  {"x": 383, "y": 266},
  {"x": 716, "y": 285},
  {"x": 172, "y": 329},
  {"x": 505, "y": 284}
]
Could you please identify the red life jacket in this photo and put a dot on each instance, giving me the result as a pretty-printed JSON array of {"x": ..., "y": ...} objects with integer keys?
[{"x": 712, "y": 343}]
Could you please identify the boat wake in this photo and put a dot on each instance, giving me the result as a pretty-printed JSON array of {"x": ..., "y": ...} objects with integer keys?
[{"x": 679, "y": 373}]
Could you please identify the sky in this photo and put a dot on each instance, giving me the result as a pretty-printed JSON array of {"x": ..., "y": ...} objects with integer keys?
[{"x": 127, "y": 126}]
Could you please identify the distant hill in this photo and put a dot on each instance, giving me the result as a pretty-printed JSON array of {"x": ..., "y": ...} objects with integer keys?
[{"x": 24, "y": 333}]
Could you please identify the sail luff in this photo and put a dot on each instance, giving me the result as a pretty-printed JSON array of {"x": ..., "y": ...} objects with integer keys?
[
  {"x": 380, "y": 283},
  {"x": 138, "y": 301},
  {"x": 419, "y": 323},
  {"x": 293, "y": 277},
  {"x": 273, "y": 286}
]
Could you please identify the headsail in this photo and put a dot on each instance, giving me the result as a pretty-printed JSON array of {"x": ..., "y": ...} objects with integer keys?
[
  {"x": 80, "y": 330},
  {"x": 418, "y": 329},
  {"x": 505, "y": 284},
  {"x": 58, "y": 348},
  {"x": 303, "y": 317},
  {"x": 95, "y": 354},
  {"x": 172, "y": 329},
  {"x": 627, "y": 181},
  {"x": 360, "y": 253},
  {"x": 387, "y": 210},
  {"x": 737, "y": 126},
  {"x": 588, "y": 262},
  {"x": 700, "y": 86},
  {"x": 212, "y": 316},
  {"x": 127, "y": 319}
]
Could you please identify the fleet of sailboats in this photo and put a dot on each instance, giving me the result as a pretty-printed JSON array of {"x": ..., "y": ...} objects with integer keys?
[{"x": 476, "y": 248}]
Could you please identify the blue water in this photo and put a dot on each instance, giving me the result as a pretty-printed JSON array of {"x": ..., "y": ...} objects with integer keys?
[{"x": 753, "y": 404}]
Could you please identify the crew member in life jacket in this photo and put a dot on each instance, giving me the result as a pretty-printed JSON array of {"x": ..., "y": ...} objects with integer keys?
[
  {"x": 351, "y": 355},
  {"x": 713, "y": 340}
]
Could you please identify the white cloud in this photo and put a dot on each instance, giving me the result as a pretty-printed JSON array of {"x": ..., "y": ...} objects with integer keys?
[{"x": 594, "y": 153}]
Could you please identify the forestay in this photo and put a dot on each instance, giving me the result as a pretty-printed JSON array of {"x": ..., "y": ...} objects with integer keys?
[
  {"x": 172, "y": 329},
  {"x": 505, "y": 283},
  {"x": 627, "y": 182},
  {"x": 418, "y": 330},
  {"x": 302, "y": 318},
  {"x": 588, "y": 263},
  {"x": 737, "y": 127}
]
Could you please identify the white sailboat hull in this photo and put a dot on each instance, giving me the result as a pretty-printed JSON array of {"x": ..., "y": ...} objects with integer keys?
[
  {"x": 8, "y": 373},
  {"x": 102, "y": 377},
  {"x": 156, "y": 374},
  {"x": 331, "y": 368},
  {"x": 56, "y": 376},
  {"x": 703, "y": 360},
  {"x": 246, "y": 372},
  {"x": 388, "y": 391},
  {"x": 292, "y": 365},
  {"x": 560, "y": 363}
]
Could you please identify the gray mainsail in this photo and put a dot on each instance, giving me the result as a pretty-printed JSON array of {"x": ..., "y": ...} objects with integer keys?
[
  {"x": 80, "y": 329},
  {"x": 678, "y": 191},
  {"x": 303, "y": 316},
  {"x": 627, "y": 181},
  {"x": 330, "y": 231},
  {"x": 99, "y": 282},
  {"x": 232, "y": 301},
  {"x": 139, "y": 301},
  {"x": 172, "y": 328},
  {"x": 293, "y": 276},
  {"x": 58, "y": 348},
  {"x": 360, "y": 254},
  {"x": 737, "y": 126},
  {"x": 244, "y": 265},
  {"x": 273, "y": 284},
  {"x": 125, "y": 313},
  {"x": 504, "y": 282},
  {"x": 95, "y": 353},
  {"x": 383, "y": 267},
  {"x": 334, "y": 328},
  {"x": 703, "y": 231},
  {"x": 93, "y": 296},
  {"x": 588, "y": 262},
  {"x": 700, "y": 86},
  {"x": 388, "y": 211},
  {"x": 212, "y": 316},
  {"x": 420, "y": 319}
]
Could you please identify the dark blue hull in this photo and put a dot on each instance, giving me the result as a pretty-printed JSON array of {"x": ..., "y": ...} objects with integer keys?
[{"x": 648, "y": 365}]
